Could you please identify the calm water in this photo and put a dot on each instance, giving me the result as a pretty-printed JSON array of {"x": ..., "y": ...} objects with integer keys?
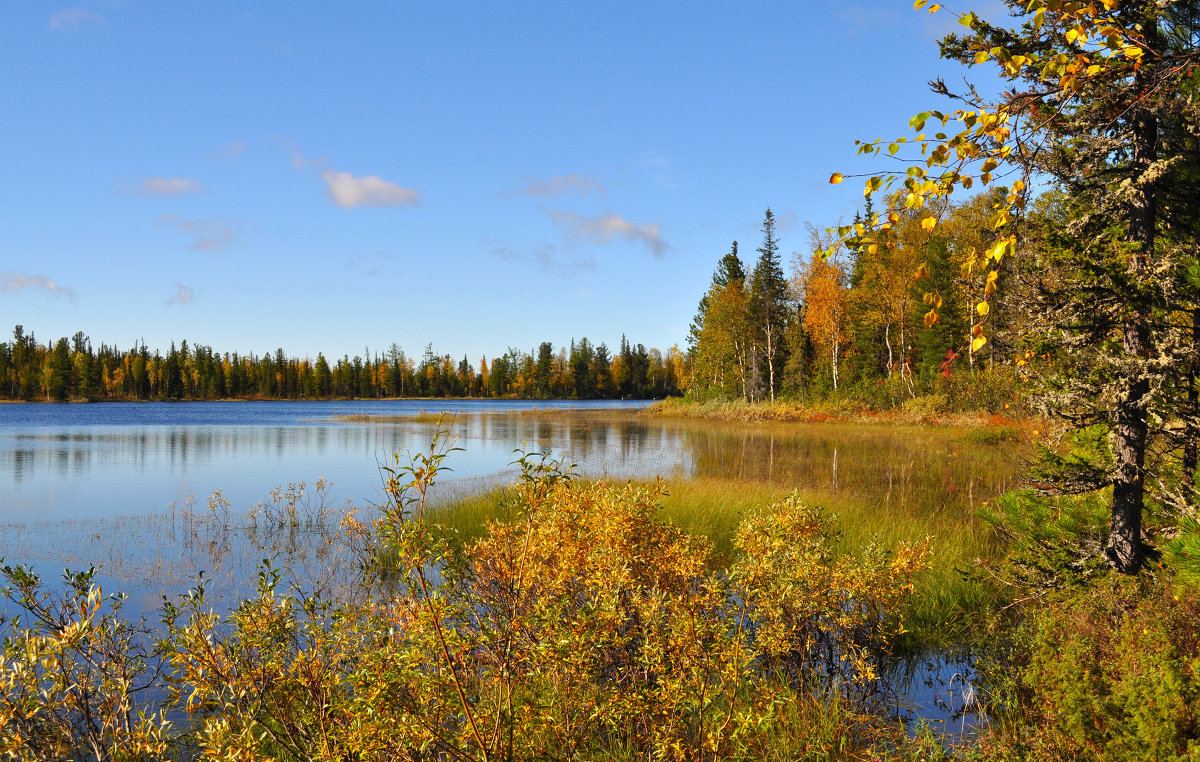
[
  {"x": 66, "y": 462},
  {"x": 77, "y": 462}
]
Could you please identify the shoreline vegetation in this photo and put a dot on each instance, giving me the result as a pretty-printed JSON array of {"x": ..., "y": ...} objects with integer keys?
[{"x": 923, "y": 411}]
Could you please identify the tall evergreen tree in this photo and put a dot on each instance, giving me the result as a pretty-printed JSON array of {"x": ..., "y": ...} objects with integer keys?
[{"x": 769, "y": 303}]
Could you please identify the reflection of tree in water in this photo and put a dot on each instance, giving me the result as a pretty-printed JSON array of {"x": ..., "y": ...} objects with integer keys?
[{"x": 897, "y": 467}]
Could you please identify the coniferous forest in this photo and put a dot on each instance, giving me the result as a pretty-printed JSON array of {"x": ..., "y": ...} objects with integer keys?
[{"x": 74, "y": 369}]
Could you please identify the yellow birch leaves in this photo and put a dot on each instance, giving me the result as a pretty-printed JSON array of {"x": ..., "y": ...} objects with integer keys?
[{"x": 1074, "y": 43}]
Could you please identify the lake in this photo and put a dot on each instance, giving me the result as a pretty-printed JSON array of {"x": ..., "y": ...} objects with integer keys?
[
  {"x": 67, "y": 462},
  {"x": 149, "y": 491}
]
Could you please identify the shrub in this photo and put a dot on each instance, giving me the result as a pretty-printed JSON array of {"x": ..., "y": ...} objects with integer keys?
[
  {"x": 73, "y": 668},
  {"x": 584, "y": 626},
  {"x": 1111, "y": 672}
]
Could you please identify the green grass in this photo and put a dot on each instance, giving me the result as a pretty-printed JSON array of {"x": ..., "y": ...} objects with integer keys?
[{"x": 947, "y": 604}]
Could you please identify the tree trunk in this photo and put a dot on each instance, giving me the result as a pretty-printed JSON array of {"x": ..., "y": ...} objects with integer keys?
[
  {"x": 1191, "y": 446},
  {"x": 1129, "y": 452},
  {"x": 835, "y": 360},
  {"x": 770, "y": 362},
  {"x": 887, "y": 340}
]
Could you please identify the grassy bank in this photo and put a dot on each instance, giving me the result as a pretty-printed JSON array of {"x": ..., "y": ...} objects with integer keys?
[{"x": 927, "y": 410}]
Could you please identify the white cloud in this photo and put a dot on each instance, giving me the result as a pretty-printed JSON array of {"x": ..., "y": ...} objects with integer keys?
[
  {"x": 73, "y": 18},
  {"x": 16, "y": 282},
  {"x": 558, "y": 185},
  {"x": 210, "y": 235},
  {"x": 349, "y": 191},
  {"x": 183, "y": 295},
  {"x": 604, "y": 228},
  {"x": 547, "y": 259},
  {"x": 157, "y": 187}
]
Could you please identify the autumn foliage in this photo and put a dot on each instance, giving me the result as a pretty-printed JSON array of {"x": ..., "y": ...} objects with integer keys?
[{"x": 580, "y": 626}]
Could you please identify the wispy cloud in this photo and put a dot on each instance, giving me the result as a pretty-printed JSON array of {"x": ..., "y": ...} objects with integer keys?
[
  {"x": 73, "y": 18},
  {"x": 208, "y": 235},
  {"x": 609, "y": 225},
  {"x": 183, "y": 295},
  {"x": 229, "y": 150},
  {"x": 158, "y": 187},
  {"x": 17, "y": 282},
  {"x": 858, "y": 17},
  {"x": 558, "y": 185},
  {"x": 785, "y": 221},
  {"x": 349, "y": 191},
  {"x": 661, "y": 170},
  {"x": 547, "y": 259}
]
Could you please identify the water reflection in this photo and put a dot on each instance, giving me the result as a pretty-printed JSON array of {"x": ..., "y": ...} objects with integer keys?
[
  {"x": 890, "y": 466},
  {"x": 97, "y": 471}
]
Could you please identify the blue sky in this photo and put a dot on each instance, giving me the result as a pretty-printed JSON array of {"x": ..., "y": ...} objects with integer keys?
[{"x": 339, "y": 176}]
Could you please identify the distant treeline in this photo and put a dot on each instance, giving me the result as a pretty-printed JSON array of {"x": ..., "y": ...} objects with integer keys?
[{"x": 70, "y": 369}]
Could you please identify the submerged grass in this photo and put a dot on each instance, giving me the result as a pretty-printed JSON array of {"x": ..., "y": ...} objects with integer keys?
[{"x": 947, "y": 601}]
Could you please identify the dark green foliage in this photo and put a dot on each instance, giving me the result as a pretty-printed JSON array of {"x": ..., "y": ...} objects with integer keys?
[
  {"x": 770, "y": 307},
  {"x": 74, "y": 370},
  {"x": 1103, "y": 673},
  {"x": 1052, "y": 542},
  {"x": 933, "y": 346}
]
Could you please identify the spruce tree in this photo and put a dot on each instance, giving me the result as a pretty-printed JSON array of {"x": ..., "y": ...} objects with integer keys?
[{"x": 769, "y": 300}]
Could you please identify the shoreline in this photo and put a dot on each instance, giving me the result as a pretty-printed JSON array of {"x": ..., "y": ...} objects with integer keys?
[{"x": 738, "y": 411}]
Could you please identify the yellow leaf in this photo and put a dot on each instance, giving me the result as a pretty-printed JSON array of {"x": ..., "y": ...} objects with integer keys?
[
  {"x": 1134, "y": 52},
  {"x": 977, "y": 343},
  {"x": 934, "y": 8},
  {"x": 997, "y": 251},
  {"x": 982, "y": 308},
  {"x": 928, "y": 223},
  {"x": 835, "y": 178},
  {"x": 982, "y": 57}
]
